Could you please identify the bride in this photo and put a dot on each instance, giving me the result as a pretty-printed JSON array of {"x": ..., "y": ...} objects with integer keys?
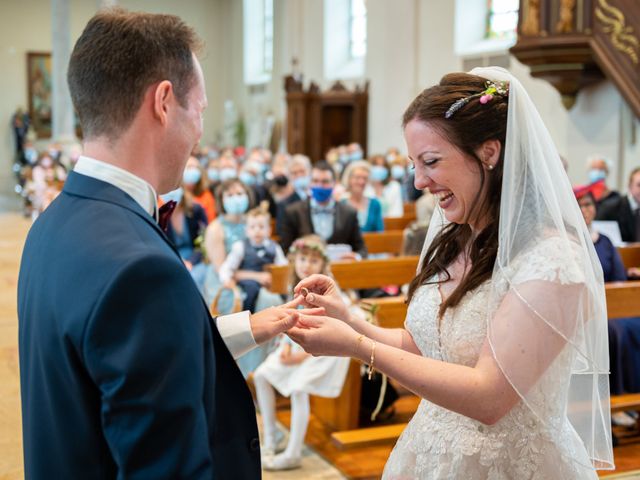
[{"x": 505, "y": 338}]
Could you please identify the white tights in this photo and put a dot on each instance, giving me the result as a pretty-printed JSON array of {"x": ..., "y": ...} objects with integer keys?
[{"x": 299, "y": 416}]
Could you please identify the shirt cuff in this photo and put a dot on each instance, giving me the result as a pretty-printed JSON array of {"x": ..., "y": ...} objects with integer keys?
[{"x": 235, "y": 330}]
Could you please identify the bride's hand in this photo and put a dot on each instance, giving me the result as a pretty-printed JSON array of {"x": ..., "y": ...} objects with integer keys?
[
  {"x": 323, "y": 292},
  {"x": 321, "y": 335}
]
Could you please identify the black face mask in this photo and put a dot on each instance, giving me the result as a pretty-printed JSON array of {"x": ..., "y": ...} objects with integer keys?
[{"x": 281, "y": 180}]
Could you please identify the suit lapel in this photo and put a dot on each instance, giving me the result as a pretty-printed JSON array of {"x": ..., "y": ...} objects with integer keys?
[{"x": 84, "y": 186}]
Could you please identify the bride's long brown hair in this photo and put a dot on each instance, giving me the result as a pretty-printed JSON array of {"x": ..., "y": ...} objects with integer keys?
[{"x": 467, "y": 129}]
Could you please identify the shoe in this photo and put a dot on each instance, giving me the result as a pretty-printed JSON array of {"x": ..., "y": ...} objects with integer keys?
[
  {"x": 270, "y": 450},
  {"x": 281, "y": 462},
  {"x": 623, "y": 419}
]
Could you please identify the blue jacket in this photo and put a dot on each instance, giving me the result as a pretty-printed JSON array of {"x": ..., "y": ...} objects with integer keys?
[{"x": 123, "y": 373}]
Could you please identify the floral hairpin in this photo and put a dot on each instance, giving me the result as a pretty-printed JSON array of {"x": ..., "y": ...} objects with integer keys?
[
  {"x": 492, "y": 88},
  {"x": 299, "y": 245}
]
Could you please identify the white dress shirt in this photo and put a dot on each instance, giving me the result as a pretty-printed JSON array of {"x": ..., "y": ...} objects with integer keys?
[{"x": 235, "y": 329}]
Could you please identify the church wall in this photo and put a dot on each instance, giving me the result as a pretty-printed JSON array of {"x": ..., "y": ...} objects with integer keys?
[{"x": 411, "y": 45}]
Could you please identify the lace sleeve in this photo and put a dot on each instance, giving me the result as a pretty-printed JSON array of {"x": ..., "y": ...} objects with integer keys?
[{"x": 551, "y": 260}]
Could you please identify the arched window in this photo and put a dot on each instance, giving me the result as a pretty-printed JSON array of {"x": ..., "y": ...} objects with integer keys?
[
  {"x": 357, "y": 29},
  {"x": 345, "y": 38},
  {"x": 258, "y": 41},
  {"x": 502, "y": 19}
]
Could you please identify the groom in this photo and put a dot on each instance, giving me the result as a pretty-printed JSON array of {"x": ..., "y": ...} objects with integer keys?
[{"x": 124, "y": 374}]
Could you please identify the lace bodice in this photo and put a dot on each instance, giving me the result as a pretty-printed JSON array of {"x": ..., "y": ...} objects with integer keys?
[{"x": 441, "y": 444}]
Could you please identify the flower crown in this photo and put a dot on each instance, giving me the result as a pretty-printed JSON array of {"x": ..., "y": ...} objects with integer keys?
[
  {"x": 492, "y": 88},
  {"x": 301, "y": 244}
]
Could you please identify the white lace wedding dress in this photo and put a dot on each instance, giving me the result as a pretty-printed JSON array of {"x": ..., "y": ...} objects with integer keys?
[{"x": 439, "y": 444}]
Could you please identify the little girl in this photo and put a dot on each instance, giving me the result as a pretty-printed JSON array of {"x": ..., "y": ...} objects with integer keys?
[{"x": 293, "y": 372}]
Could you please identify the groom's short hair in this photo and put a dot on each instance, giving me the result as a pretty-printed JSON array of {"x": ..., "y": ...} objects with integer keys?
[{"x": 118, "y": 56}]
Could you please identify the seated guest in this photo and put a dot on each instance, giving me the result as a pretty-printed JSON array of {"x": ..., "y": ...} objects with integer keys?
[
  {"x": 228, "y": 166},
  {"x": 384, "y": 188},
  {"x": 188, "y": 222},
  {"x": 244, "y": 265},
  {"x": 355, "y": 181},
  {"x": 335, "y": 223},
  {"x": 624, "y": 333},
  {"x": 233, "y": 200},
  {"x": 625, "y": 210},
  {"x": 196, "y": 184},
  {"x": 213, "y": 175},
  {"x": 294, "y": 373},
  {"x": 251, "y": 174},
  {"x": 299, "y": 174},
  {"x": 598, "y": 169}
]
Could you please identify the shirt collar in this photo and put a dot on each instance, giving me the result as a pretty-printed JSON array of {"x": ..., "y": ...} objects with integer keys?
[
  {"x": 632, "y": 203},
  {"x": 314, "y": 204},
  {"x": 137, "y": 188}
]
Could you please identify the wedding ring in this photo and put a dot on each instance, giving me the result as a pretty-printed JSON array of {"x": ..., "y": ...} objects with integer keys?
[{"x": 304, "y": 291}]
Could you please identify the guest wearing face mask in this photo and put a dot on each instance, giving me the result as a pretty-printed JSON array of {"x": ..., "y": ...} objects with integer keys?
[
  {"x": 387, "y": 190},
  {"x": 196, "y": 184},
  {"x": 335, "y": 222},
  {"x": 228, "y": 166},
  {"x": 598, "y": 169},
  {"x": 47, "y": 179},
  {"x": 213, "y": 174},
  {"x": 299, "y": 174},
  {"x": 251, "y": 175},
  {"x": 187, "y": 222},
  {"x": 233, "y": 200},
  {"x": 355, "y": 181}
]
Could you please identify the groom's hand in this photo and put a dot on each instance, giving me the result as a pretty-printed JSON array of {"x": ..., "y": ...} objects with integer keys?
[{"x": 275, "y": 320}]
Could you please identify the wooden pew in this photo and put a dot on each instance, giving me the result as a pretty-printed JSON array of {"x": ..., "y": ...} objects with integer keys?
[
  {"x": 398, "y": 223},
  {"x": 630, "y": 255},
  {"x": 356, "y": 274},
  {"x": 409, "y": 208},
  {"x": 623, "y": 300},
  {"x": 342, "y": 413},
  {"x": 384, "y": 242}
]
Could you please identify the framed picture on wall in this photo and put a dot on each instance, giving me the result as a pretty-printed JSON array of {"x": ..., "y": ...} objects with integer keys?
[{"x": 39, "y": 91}]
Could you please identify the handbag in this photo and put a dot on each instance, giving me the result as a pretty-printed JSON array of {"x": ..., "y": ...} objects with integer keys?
[
  {"x": 216, "y": 308},
  {"x": 376, "y": 394}
]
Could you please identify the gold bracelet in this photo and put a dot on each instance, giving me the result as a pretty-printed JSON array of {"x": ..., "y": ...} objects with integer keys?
[{"x": 372, "y": 360}]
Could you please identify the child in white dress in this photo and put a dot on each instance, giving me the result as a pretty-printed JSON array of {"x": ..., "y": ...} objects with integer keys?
[{"x": 294, "y": 373}]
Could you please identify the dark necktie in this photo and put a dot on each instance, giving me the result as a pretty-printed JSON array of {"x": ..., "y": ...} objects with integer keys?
[
  {"x": 636, "y": 219},
  {"x": 164, "y": 214}
]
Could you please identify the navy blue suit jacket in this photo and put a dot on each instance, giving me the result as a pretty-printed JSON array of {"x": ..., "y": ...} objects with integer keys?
[{"x": 123, "y": 372}]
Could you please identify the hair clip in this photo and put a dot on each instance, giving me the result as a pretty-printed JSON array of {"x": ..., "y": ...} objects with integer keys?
[{"x": 492, "y": 88}]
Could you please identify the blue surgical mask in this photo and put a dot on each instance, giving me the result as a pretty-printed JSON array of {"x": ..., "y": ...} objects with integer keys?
[
  {"x": 228, "y": 174},
  {"x": 379, "y": 173},
  {"x": 596, "y": 174},
  {"x": 398, "y": 172},
  {"x": 355, "y": 156},
  {"x": 302, "y": 183},
  {"x": 191, "y": 176},
  {"x": 344, "y": 158},
  {"x": 175, "y": 195},
  {"x": 236, "y": 204},
  {"x": 390, "y": 157},
  {"x": 321, "y": 194},
  {"x": 31, "y": 155},
  {"x": 248, "y": 178},
  {"x": 213, "y": 174}
]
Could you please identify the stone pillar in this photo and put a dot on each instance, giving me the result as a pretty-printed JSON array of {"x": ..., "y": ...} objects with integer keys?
[
  {"x": 62, "y": 109},
  {"x": 107, "y": 3}
]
